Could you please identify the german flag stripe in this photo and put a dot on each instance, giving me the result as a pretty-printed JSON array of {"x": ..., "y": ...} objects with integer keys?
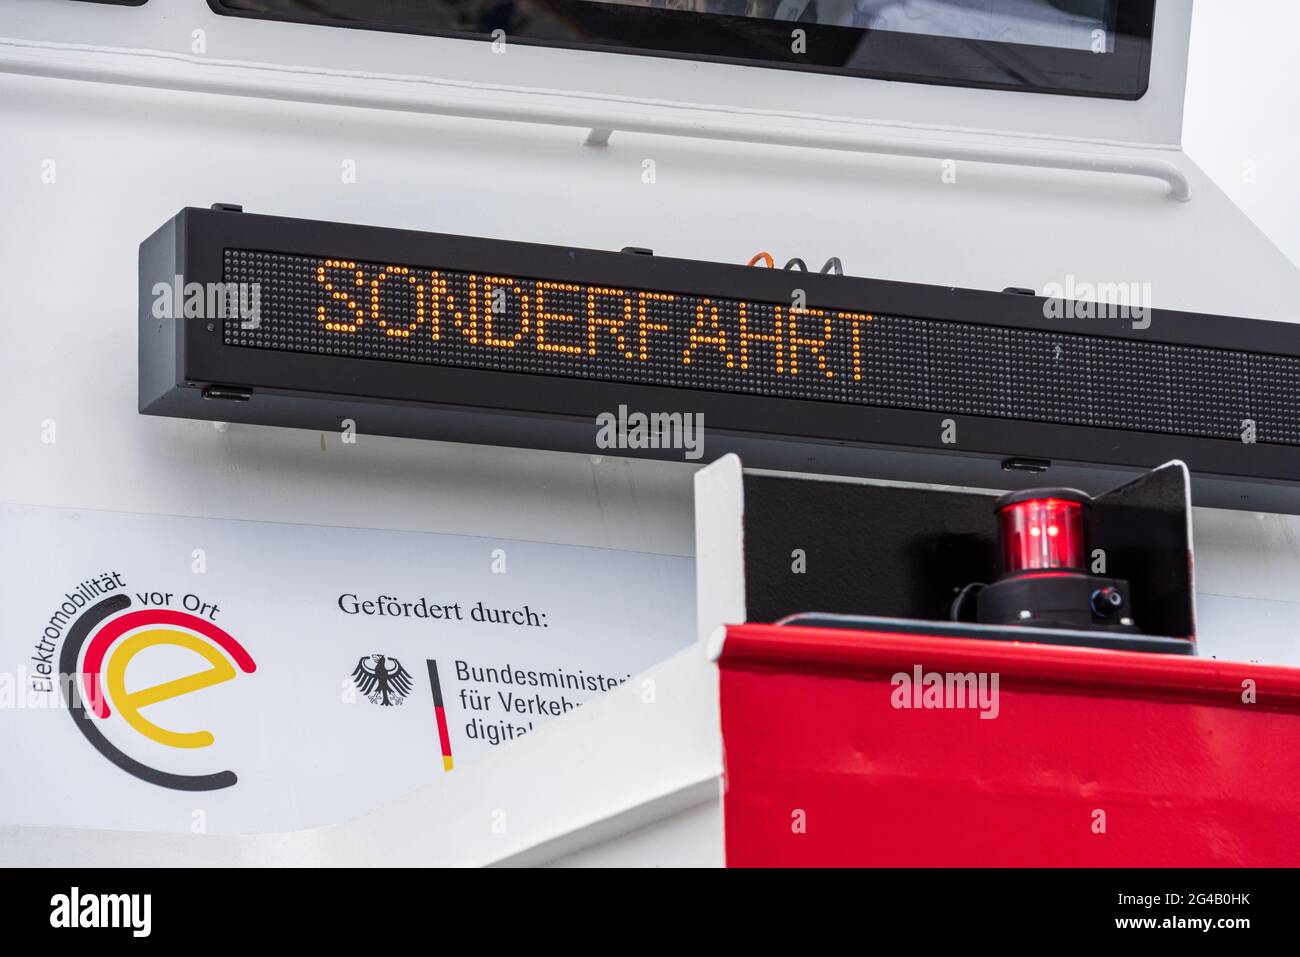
[{"x": 440, "y": 714}]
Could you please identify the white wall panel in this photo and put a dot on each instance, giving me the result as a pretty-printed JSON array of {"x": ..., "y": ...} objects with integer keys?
[{"x": 128, "y": 158}]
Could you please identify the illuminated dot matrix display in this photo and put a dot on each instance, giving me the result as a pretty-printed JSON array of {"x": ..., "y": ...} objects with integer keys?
[{"x": 422, "y": 314}]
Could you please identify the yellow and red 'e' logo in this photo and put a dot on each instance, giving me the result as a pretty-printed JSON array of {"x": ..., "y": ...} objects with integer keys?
[{"x": 104, "y": 670}]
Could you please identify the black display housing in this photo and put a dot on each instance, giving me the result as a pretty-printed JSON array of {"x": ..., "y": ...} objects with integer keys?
[
  {"x": 892, "y": 558},
  {"x": 187, "y": 370}
]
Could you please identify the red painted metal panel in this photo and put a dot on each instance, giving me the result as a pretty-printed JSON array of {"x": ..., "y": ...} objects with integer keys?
[{"x": 822, "y": 768}]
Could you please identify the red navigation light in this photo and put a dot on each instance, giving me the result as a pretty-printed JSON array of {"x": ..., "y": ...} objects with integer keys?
[
  {"x": 1042, "y": 529},
  {"x": 1044, "y": 583}
]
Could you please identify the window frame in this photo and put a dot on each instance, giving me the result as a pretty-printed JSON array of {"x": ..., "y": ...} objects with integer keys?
[{"x": 1123, "y": 73}]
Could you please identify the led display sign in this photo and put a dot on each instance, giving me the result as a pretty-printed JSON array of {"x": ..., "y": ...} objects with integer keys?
[
  {"x": 442, "y": 316},
  {"x": 403, "y": 329},
  {"x": 408, "y": 313}
]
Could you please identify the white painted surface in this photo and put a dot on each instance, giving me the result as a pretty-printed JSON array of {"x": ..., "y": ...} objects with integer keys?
[
  {"x": 126, "y": 162},
  {"x": 1242, "y": 107},
  {"x": 627, "y": 761},
  {"x": 687, "y": 839},
  {"x": 599, "y": 119},
  {"x": 290, "y": 596},
  {"x": 1269, "y": 631},
  {"x": 720, "y": 561},
  {"x": 127, "y": 159},
  {"x": 171, "y": 24}
]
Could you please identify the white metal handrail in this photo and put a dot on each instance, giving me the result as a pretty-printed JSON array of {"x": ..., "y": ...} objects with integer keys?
[{"x": 155, "y": 69}]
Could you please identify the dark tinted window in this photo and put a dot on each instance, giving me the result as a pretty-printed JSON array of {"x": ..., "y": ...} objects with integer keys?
[{"x": 1079, "y": 47}]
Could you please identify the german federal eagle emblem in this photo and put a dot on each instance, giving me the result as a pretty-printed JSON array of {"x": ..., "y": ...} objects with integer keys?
[{"x": 382, "y": 679}]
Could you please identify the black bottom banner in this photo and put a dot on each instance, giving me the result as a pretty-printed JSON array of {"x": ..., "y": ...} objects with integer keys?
[{"x": 391, "y": 908}]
